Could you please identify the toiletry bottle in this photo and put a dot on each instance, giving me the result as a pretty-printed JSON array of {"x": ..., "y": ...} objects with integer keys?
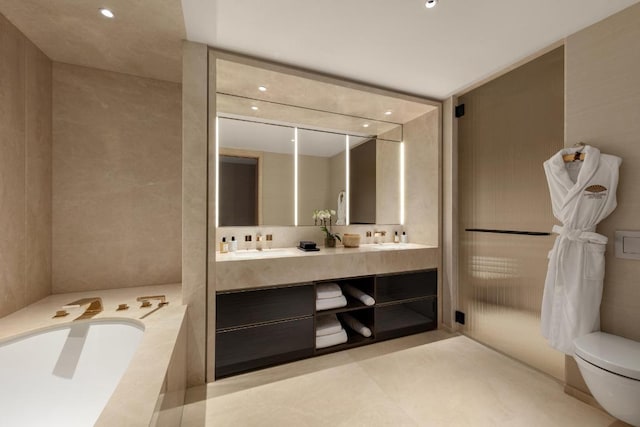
[
  {"x": 247, "y": 241},
  {"x": 269, "y": 241},
  {"x": 396, "y": 238},
  {"x": 224, "y": 246},
  {"x": 233, "y": 245},
  {"x": 404, "y": 238}
]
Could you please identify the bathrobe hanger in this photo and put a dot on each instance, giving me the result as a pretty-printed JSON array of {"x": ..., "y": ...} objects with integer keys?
[{"x": 577, "y": 156}]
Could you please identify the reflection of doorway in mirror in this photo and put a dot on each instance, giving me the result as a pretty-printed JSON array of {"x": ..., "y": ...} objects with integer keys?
[{"x": 238, "y": 191}]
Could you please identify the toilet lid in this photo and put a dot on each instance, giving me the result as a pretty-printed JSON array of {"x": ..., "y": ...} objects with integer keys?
[{"x": 613, "y": 353}]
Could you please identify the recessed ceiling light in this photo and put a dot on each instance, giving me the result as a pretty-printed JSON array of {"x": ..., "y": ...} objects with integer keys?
[
  {"x": 388, "y": 113},
  {"x": 431, "y": 3},
  {"x": 106, "y": 13},
  {"x": 366, "y": 125},
  {"x": 262, "y": 88},
  {"x": 254, "y": 108}
]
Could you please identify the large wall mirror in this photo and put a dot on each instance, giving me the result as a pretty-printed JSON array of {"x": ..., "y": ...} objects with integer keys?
[{"x": 288, "y": 145}]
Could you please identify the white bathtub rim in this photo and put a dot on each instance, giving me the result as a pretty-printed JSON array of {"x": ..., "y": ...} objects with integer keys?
[{"x": 50, "y": 328}]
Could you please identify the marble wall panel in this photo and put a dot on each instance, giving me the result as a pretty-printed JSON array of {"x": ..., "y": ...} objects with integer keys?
[{"x": 116, "y": 180}]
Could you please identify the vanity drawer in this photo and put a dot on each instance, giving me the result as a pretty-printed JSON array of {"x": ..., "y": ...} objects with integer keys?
[
  {"x": 235, "y": 309},
  {"x": 406, "y": 286},
  {"x": 254, "y": 347}
]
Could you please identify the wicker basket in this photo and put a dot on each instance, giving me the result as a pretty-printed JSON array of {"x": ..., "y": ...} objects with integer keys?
[{"x": 351, "y": 240}]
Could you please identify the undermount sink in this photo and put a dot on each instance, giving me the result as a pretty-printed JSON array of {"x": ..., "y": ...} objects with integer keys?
[
  {"x": 256, "y": 254},
  {"x": 387, "y": 246}
]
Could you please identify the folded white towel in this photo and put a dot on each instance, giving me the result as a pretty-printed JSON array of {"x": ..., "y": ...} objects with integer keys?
[
  {"x": 327, "y": 325},
  {"x": 333, "y": 339},
  {"x": 329, "y": 303},
  {"x": 358, "y": 294},
  {"x": 328, "y": 290},
  {"x": 355, "y": 324}
]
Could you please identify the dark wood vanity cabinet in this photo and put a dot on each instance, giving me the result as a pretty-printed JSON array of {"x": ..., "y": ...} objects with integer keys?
[
  {"x": 265, "y": 327},
  {"x": 260, "y": 328}
]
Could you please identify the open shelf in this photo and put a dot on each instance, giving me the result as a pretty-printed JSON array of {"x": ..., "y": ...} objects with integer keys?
[
  {"x": 396, "y": 320},
  {"x": 355, "y": 340},
  {"x": 352, "y": 305}
]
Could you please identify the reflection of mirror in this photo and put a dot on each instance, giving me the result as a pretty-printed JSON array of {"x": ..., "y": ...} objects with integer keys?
[
  {"x": 270, "y": 149},
  {"x": 322, "y": 177},
  {"x": 375, "y": 183},
  {"x": 289, "y": 99}
]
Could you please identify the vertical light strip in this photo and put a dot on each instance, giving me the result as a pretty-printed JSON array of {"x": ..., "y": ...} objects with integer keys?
[
  {"x": 346, "y": 185},
  {"x": 402, "y": 183},
  {"x": 217, "y": 173},
  {"x": 295, "y": 178}
]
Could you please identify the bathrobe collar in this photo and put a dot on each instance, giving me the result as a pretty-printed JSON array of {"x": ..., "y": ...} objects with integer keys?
[{"x": 588, "y": 169}]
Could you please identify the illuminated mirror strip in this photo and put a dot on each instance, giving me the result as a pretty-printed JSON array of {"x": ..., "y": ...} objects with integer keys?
[
  {"x": 346, "y": 185},
  {"x": 402, "y": 183},
  {"x": 295, "y": 178},
  {"x": 217, "y": 173}
]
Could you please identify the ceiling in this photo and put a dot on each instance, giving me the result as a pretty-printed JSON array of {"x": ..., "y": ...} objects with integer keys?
[{"x": 395, "y": 44}]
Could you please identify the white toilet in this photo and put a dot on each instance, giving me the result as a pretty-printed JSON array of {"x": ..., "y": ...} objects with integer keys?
[{"x": 610, "y": 365}]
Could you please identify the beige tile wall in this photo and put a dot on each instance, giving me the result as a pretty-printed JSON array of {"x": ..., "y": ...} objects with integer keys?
[
  {"x": 116, "y": 180},
  {"x": 602, "y": 109},
  {"x": 25, "y": 171}
]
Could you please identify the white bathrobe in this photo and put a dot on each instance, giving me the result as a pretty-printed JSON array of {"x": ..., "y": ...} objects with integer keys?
[{"x": 582, "y": 194}]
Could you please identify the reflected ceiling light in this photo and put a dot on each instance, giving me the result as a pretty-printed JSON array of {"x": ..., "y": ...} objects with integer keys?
[
  {"x": 366, "y": 125},
  {"x": 388, "y": 113},
  {"x": 254, "y": 108},
  {"x": 431, "y": 3},
  {"x": 262, "y": 88},
  {"x": 106, "y": 13}
]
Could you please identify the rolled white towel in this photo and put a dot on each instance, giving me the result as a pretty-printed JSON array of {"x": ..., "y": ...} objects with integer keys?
[
  {"x": 358, "y": 294},
  {"x": 327, "y": 325},
  {"x": 329, "y": 303},
  {"x": 355, "y": 324},
  {"x": 333, "y": 339},
  {"x": 328, "y": 290}
]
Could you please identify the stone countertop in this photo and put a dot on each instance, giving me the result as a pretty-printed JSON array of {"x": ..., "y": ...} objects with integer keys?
[
  {"x": 281, "y": 266},
  {"x": 134, "y": 401}
]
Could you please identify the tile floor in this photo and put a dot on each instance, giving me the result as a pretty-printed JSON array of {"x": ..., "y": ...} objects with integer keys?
[{"x": 431, "y": 379}]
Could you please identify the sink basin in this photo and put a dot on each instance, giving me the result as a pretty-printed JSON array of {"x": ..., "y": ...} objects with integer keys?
[
  {"x": 387, "y": 246},
  {"x": 256, "y": 254}
]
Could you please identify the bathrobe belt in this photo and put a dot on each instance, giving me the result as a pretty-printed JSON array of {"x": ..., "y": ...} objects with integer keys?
[{"x": 580, "y": 235}]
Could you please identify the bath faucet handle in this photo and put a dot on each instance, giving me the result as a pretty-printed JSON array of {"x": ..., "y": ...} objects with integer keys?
[{"x": 147, "y": 303}]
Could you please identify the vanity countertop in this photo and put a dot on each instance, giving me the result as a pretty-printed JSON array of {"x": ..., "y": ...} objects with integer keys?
[
  {"x": 280, "y": 266},
  {"x": 253, "y": 254}
]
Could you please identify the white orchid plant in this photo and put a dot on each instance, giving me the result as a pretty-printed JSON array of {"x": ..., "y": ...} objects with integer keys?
[{"x": 322, "y": 217}]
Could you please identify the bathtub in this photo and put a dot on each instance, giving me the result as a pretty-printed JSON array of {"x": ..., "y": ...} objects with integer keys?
[{"x": 64, "y": 375}]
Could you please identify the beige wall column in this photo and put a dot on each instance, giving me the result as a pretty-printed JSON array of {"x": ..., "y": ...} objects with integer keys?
[
  {"x": 602, "y": 109},
  {"x": 25, "y": 171},
  {"x": 194, "y": 205}
]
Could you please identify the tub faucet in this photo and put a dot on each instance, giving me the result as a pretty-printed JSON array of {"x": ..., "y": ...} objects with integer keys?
[{"x": 94, "y": 306}]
